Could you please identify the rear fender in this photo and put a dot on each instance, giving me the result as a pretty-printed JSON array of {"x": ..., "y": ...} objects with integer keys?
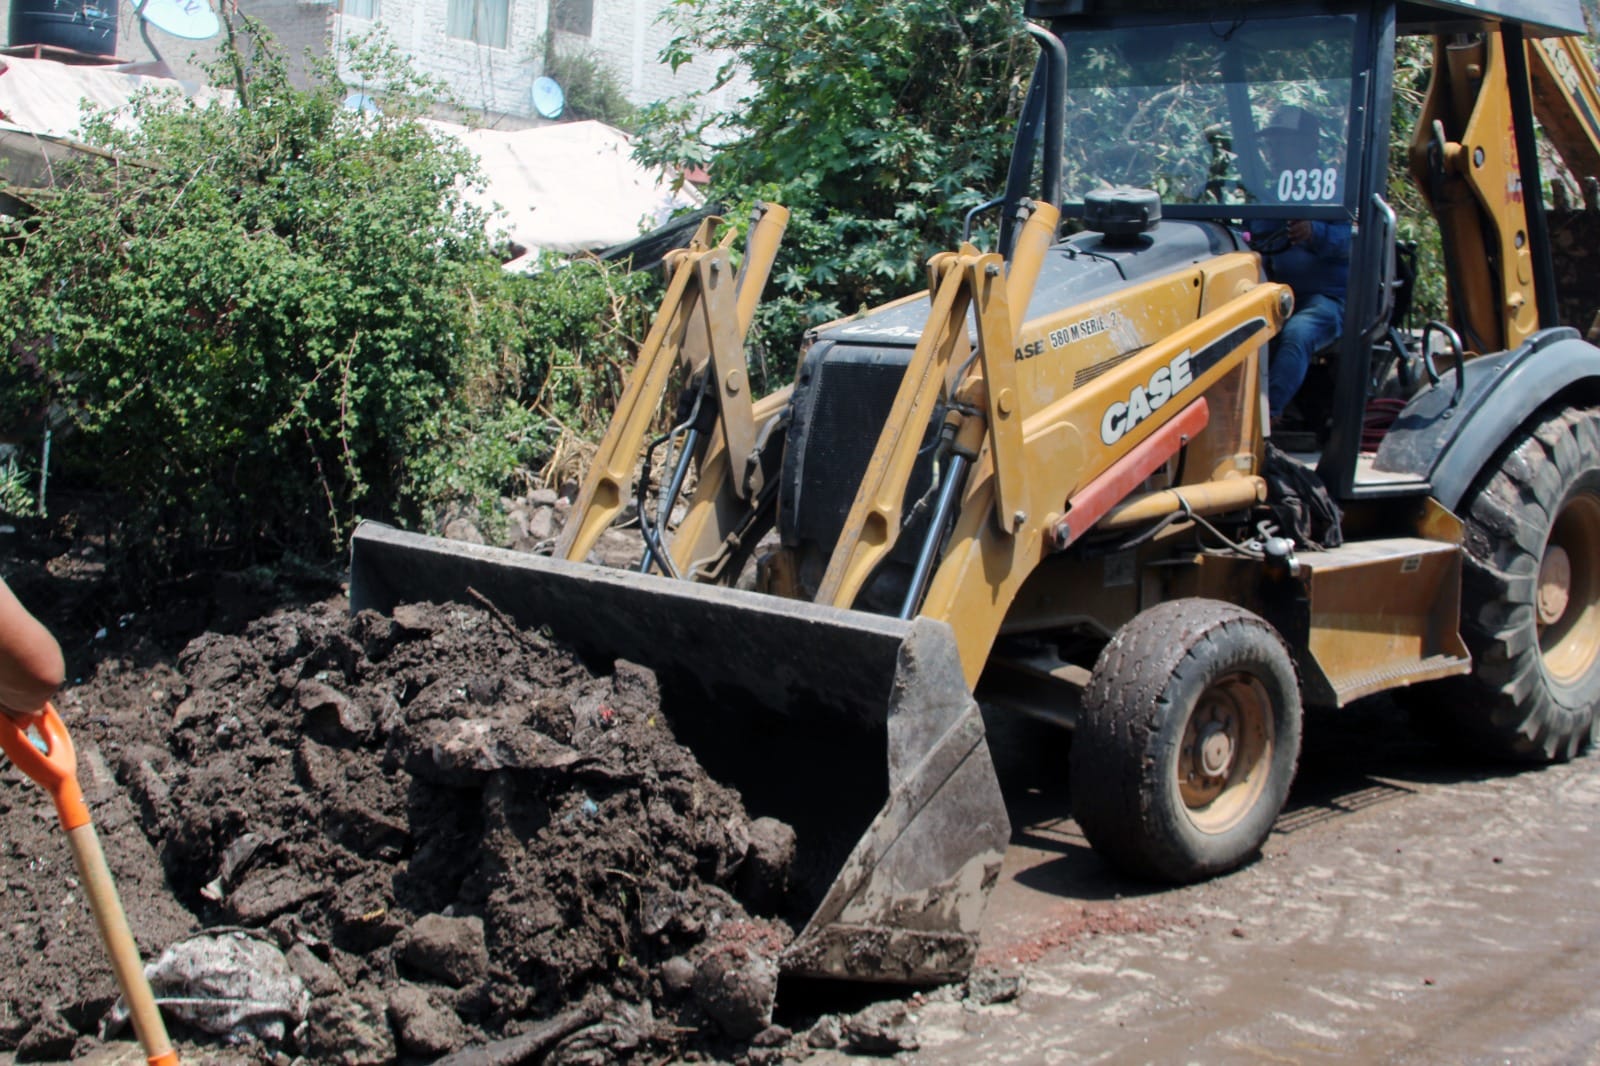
[{"x": 1450, "y": 443}]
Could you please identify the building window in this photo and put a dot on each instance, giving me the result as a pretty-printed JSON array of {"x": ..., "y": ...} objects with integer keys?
[
  {"x": 573, "y": 16},
  {"x": 360, "y": 9},
  {"x": 483, "y": 21}
]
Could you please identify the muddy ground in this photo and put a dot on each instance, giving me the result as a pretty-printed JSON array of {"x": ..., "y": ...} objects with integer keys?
[{"x": 456, "y": 838}]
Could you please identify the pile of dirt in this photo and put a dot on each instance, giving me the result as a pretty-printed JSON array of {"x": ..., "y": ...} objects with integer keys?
[{"x": 451, "y": 831}]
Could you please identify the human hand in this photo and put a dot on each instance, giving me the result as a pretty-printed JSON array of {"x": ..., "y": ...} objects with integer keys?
[
  {"x": 1299, "y": 231},
  {"x": 23, "y": 718}
]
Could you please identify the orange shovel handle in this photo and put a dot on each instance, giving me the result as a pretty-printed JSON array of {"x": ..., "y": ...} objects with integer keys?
[{"x": 55, "y": 767}]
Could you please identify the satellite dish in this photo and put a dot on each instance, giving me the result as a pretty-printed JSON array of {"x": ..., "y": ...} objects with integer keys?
[
  {"x": 361, "y": 102},
  {"x": 192, "y": 20},
  {"x": 548, "y": 99}
]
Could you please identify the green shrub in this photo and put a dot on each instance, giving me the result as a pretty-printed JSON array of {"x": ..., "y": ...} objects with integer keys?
[{"x": 271, "y": 326}]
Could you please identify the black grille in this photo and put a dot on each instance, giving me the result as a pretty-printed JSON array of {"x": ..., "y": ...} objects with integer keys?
[{"x": 846, "y": 395}]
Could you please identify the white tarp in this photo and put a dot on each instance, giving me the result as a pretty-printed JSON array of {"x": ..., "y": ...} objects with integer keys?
[
  {"x": 45, "y": 96},
  {"x": 570, "y": 186},
  {"x": 563, "y": 188}
]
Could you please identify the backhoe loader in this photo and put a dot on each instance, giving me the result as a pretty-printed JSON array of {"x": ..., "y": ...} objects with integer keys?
[{"x": 1047, "y": 484}]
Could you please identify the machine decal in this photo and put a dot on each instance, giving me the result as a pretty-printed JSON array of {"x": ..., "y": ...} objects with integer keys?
[
  {"x": 1088, "y": 327},
  {"x": 1315, "y": 185},
  {"x": 1144, "y": 400},
  {"x": 1071, "y": 333},
  {"x": 1168, "y": 381}
]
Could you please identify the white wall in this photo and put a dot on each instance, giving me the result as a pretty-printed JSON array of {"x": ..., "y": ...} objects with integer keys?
[{"x": 499, "y": 81}]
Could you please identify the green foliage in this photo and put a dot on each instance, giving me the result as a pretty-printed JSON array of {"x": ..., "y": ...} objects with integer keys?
[
  {"x": 581, "y": 323},
  {"x": 1415, "y": 224},
  {"x": 257, "y": 333},
  {"x": 592, "y": 88},
  {"x": 879, "y": 124},
  {"x": 16, "y": 489}
]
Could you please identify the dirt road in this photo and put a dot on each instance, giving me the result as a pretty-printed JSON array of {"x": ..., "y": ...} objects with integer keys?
[{"x": 1409, "y": 908}]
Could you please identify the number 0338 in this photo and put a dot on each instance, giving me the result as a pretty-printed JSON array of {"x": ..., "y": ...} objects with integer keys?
[{"x": 1305, "y": 185}]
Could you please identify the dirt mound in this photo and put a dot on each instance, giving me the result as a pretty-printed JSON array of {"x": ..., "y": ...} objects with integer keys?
[{"x": 452, "y": 831}]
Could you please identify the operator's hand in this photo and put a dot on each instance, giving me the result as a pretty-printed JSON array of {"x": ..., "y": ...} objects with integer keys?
[{"x": 1299, "y": 231}]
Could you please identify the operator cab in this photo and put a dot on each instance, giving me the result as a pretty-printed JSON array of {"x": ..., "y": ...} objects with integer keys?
[{"x": 1178, "y": 100}]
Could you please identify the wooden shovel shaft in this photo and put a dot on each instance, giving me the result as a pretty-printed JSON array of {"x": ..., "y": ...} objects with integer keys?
[
  {"x": 125, "y": 962},
  {"x": 55, "y": 768}
]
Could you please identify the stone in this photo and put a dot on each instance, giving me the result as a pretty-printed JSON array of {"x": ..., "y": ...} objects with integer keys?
[
  {"x": 320, "y": 978},
  {"x": 452, "y": 950},
  {"x": 422, "y": 1026},
  {"x": 345, "y": 1031}
]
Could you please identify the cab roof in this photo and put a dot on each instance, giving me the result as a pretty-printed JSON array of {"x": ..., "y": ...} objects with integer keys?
[{"x": 1538, "y": 18}]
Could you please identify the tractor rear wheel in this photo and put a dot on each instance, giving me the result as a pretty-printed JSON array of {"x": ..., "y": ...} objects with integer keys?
[
  {"x": 1531, "y": 595},
  {"x": 1187, "y": 741}
]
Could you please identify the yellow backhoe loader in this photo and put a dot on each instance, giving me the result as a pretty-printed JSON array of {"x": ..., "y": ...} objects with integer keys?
[{"x": 1046, "y": 485}]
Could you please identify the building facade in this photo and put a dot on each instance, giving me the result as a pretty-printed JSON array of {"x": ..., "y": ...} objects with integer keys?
[{"x": 489, "y": 52}]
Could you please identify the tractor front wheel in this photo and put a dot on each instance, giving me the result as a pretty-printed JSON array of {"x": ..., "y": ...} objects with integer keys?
[{"x": 1187, "y": 741}]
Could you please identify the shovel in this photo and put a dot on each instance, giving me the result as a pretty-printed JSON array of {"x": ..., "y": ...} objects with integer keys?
[{"x": 55, "y": 767}]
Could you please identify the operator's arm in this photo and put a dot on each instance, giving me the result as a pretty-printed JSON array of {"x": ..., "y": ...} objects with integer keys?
[
  {"x": 1325, "y": 240},
  {"x": 31, "y": 668}
]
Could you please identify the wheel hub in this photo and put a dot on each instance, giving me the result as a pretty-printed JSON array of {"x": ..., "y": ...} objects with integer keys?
[
  {"x": 1555, "y": 584},
  {"x": 1226, "y": 752},
  {"x": 1567, "y": 600},
  {"x": 1216, "y": 750}
]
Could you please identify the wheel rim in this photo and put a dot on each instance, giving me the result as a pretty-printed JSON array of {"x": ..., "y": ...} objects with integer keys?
[
  {"x": 1226, "y": 755},
  {"x": 1568, "y": 597}
]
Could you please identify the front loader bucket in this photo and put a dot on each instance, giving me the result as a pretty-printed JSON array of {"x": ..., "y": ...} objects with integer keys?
[{"x": 856, "y": 729}]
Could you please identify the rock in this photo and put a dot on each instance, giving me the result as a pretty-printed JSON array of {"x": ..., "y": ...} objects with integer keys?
[
  {"x": 987, "y": 986},
  {"x": 462, "y": 529},
  {"x": 421, "y": 1025},
  {"x": 736, "y": 977},
  {"x": 450, "y": 949},
  {"x": 881, "y": 1029},
  {"x": 772, "y": 1036},
  {"x": 320, "y": 978},
  {"x": 466, "y": 750},
  {"x": 677, "y": 974},
  {"x": 827, "y": 1033},
  {"x": 542, "y": 523},
  {"x": 345, "y": 1031},
  {"x": 764, "y": 875},
  {"x": 230, "y": 983},
  {"x": 50, "y": 1039},
  {"x": 331, "y": 716}
]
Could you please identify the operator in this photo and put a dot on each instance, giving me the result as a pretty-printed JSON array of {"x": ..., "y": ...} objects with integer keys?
[
  {"x": 31, "y": 668},
  {"x": 1312, "y": 258}
]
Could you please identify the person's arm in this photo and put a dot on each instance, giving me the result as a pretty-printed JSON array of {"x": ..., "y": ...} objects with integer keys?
[
  {"x": 1329, "y": 240},
  {"x": 31, "y": 667}
]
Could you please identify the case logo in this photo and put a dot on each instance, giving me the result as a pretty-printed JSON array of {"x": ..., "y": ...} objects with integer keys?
[{"x": 1144, "y": 400}]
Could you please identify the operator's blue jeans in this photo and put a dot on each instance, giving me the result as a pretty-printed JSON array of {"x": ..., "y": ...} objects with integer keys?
[{"x": 1316, "y": 323}]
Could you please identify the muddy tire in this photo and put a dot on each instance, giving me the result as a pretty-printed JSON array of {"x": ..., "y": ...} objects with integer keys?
[
  {"x": 1187, "y": 741},
  {"x": 1530, "y": 594}
]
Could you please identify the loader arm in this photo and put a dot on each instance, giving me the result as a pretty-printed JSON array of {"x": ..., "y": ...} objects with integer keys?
[
  {"x": 700, "y": 325},
  {"x": 1465, "y": 161}
]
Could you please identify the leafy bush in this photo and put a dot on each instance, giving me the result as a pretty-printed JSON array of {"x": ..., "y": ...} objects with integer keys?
[
  {"x": 879, "y": 124},
  {"x": 285, "y": 318},
  {"x": 592, "y": 89}
]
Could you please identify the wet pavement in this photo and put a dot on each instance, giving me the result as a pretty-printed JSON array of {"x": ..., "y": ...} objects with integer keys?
[{"x": 1411, "y": 906}]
